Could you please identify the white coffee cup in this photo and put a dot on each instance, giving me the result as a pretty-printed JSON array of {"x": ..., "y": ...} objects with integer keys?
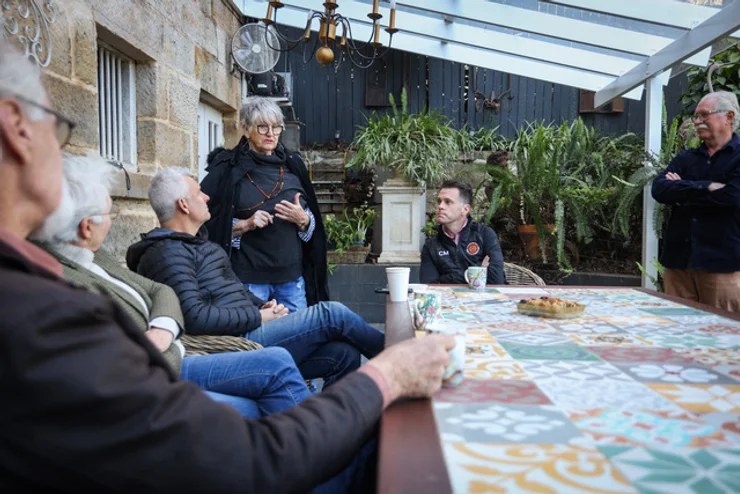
[
  {"x": 455, "y": 371},
  {"x": 398, "y": 283}
]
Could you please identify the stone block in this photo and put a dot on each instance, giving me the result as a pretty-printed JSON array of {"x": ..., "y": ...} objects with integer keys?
[
  {"x": 151, "y": 91},
  {"x": 127, "y": 229},
  {"x": 224, "y": 16},
  {"x": 183, "y": 101},
  {"x": 137, "y": 23},
  {"x": 179, "y": 52},
  {"x": 196, "y": 26},
  {"x": 232, "y": 132},
  {"x": 61, "y": 45},
  {"x": 205, "y": 7},
  {"x": 85, "y": 50},
  {"x": 139, "y": 183},
  {"x": 162, "y": 145},
  {"x": 223, "y": 47},
  {"x": 216, "y": 79},
  {"x": 78, "y": 103}
]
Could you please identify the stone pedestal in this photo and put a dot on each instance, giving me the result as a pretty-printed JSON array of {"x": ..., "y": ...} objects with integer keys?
[{"x": 404, "y": 207}]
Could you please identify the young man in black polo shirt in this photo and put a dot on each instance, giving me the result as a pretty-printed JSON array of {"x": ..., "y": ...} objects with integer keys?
[{"x": 460, "y": 242}]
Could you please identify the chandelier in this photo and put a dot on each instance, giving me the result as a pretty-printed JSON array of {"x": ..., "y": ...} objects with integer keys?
[{"x": 361, "y": 54}]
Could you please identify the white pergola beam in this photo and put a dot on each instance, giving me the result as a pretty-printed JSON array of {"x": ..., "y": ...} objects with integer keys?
[
  {"x": 723, "y": 22},
  {"x": 664, "y": 12},
  {"x": 551, "y": 25},
  {"x": 423, "y": 45},
  {"x": 438, "y": 28},
  {"x": 653, "y": 136}
]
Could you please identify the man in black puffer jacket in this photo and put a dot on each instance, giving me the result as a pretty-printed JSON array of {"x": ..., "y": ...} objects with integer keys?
[{"x": 325, "y": 340}]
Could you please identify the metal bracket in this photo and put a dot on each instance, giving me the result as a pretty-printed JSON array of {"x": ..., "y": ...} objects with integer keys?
[{"x": 26, "y": 23}]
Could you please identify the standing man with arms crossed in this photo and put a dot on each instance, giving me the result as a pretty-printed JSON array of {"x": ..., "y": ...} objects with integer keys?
[{"x": 701, "y": 250}]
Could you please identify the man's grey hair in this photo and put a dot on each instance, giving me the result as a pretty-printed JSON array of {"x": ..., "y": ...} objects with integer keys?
[
  {"x": 20, "y": 77},
  {"x": 257, "y": 109},
  {"x": 88, "y": 181},
  {"x": 167, "y": 187},
  {"x": 726, "y": 101}
]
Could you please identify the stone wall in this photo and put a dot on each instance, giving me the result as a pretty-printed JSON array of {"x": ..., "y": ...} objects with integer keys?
[{"x": 181, "y": 50}]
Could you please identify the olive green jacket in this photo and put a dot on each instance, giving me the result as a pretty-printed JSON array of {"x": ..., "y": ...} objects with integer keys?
[{"x": 160, "y": 299}]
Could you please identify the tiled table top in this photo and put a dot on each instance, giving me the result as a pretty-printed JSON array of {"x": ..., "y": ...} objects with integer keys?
[{"x": 641, "y": 394}]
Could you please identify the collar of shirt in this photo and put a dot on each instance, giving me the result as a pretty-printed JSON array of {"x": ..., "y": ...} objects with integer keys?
[
  {"x": 455, "y": 236},
  {"x": 733, "y": 144},
  {"x": 32, "y": 253}
]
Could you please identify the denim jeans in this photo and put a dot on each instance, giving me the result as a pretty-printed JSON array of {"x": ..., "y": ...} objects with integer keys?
[
  {"x": 318, "y": 339},
  {"x": 256, "y": 383},
  {"x": 291, "y": 294}
]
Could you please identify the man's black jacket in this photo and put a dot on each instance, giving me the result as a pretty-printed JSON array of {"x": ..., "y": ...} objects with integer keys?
[{"x": 444, "y": 262}]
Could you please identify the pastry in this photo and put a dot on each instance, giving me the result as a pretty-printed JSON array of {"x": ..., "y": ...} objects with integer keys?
[{"x": 554, "y": 307}]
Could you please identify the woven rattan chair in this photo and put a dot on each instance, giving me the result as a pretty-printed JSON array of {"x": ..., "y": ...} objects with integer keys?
[
  {"x": 206, "y": 344},
  {"x": 517, "y": 275}
]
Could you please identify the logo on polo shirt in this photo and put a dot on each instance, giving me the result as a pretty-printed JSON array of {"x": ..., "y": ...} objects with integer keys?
[
  {"x": 473, "y": 248},
  {"x": 443, "y": 253}
]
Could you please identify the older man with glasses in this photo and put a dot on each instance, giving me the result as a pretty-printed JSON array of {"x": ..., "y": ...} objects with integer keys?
[
  {"x": 89, "y": 403},
  {"x": 701, "y": 249}
]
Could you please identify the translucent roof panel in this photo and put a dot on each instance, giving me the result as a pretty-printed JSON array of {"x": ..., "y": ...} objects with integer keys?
[{"x": 608, "y": 46}]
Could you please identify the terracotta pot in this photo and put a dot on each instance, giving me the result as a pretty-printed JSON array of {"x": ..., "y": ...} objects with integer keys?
[{"x": 530, "y": 241}]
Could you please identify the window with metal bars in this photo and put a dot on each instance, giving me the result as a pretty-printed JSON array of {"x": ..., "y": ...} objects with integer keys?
[{"x": 117, "y": 106}]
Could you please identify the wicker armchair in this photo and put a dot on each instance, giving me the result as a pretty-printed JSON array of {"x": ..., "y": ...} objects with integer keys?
[
  {"x": 517, "y": 275},
  {"x": 206, "y": 344}
]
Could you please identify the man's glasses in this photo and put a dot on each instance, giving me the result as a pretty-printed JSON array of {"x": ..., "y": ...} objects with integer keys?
[
  {"x": 264, "y": 129},
  {"x": 114, "y": 212},
  {"x": 64, "y": 125},
  {"x": 703, "y": 115}
]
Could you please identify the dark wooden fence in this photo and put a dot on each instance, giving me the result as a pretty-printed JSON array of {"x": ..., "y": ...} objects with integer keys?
[{"x": 331, "y": 104}]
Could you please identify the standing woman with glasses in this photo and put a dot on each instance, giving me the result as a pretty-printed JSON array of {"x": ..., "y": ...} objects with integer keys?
[{"x": 264, "y": 212}]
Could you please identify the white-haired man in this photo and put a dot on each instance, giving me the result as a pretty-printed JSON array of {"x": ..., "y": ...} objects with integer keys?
[
  {"x": 89, "y": 404},
  {"x": 701, "y": 249},
  {"x": 325, "y": 339},
  {"x": 256, "y": 383}
]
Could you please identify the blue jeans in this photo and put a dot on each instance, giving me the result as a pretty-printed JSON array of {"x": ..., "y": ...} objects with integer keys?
[
  {"x": 291, "y": 294},
  {"x": 256, "y": 383},
  {"x": 319, "y": 339}
]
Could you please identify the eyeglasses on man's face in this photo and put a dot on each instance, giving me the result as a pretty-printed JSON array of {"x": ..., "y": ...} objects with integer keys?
[
  {"x": 63, "y": 125},
  {"x": 703, "y": 115},
  {"x": 264, "y": 129}
]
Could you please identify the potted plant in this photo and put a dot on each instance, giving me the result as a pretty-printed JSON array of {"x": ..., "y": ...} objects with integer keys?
[
  {"x": 418, "y": 148},
  {"x": 347, "y": 235}
]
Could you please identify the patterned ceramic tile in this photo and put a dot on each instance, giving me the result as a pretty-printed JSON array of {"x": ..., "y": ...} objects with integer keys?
[
  {"x": 712, "y": 356},
  {"x": 674, "y": 374},
  {"x": 492, "y": 423},
  {"x": 529, "y": 326},
  {"x": 732, "y": 371},
  {"x": 675, "y": 311},
  {"x": 720, "y": 328},
  {"x": 534, "y": 339},
  {"x": 664, "y": 331},
  {"x": 609, "y": 339},
  {"x": 552, "y": 468},
  {"x": 479, "y": 337},
  {"x": 644, "y": 427},
  {"x": 705, "y": 319},
  {"x": 577, "y": 395},
  {"x": 585, "y": 326},
  {"x": 549, "y": 352},
  {"x": 458, "y": 316},
  {"x": 631, "y": 320},
  {"x": 539, "y": 370},
  {"x": 491, "y": 350},
  {"x": 695, "y": 340},
  {"x": 487, "y": 368},
  {"x": 513, "y": 392},
  {"x": 640, "y": 354},
  {"x": 700, "y": 471},
  {"x": 702, "y": 397},
  {"x": 727, "y": 423}
]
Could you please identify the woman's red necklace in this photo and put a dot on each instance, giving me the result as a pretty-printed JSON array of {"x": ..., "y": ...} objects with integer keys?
[{"x": 280, "y": 182}]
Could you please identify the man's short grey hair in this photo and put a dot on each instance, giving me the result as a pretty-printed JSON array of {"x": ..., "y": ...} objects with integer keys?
[
  {"x": 20, "y": 77},
  {"x": 167, "y": 187},
  {"x": 257, "y": 110},
  {"x": 727, "y": 101},
  {"x": 88, "y": 183}
]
